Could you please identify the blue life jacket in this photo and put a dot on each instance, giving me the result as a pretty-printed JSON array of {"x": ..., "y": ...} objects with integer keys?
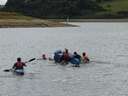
[
  {"x": 75, "y": 61},
  {"x": 58, "y": 56}
]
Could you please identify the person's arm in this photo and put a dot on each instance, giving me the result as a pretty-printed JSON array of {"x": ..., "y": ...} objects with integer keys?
[
  {"x": 14, "y": 66},
  {"x": 24, "y": 64}
]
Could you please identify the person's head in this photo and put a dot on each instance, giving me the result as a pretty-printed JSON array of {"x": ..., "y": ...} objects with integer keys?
[
  {"x": 18, "y": 59},
  {"x": 75, "y": 52},
  {"x": 84, "y": 54},
  {"x": 44, "y": 56},
  {"x": 66, "y": 50}
]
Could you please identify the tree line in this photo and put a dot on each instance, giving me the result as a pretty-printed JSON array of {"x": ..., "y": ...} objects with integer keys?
[{"x": 54, "y": 8}]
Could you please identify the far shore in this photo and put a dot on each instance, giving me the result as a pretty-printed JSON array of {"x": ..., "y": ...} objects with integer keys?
[
  {"x": 90, "y": 20},
  {"x": 18, "y": 23}
]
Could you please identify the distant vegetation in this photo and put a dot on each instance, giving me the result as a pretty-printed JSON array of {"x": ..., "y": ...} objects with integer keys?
[
  {"x": 115, "y": 8},
  {"x": 70, "y": 8},
  {"x": 54, "y": 8},
  {"x": 1, "y": 6}
]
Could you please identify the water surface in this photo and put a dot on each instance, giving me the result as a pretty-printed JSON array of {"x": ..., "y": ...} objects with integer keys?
[{"x": 105, "y": 43}]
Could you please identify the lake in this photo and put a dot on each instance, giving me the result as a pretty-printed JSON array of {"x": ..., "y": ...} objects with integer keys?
[{"x": 106, "y": 44}]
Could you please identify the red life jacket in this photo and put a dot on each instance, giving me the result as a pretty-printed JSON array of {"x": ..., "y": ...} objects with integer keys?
[
  {"x": 66, "y": 56},
  {"x": 19, "y": 64}
]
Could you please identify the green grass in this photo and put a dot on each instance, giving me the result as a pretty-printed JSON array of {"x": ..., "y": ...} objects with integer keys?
[{"x": 116, "y": 5}]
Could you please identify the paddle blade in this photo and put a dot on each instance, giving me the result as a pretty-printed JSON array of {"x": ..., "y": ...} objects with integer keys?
[{"x": 7, "y": 70}]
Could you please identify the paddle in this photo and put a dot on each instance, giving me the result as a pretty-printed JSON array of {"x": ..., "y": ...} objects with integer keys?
[
  {"x": 7, "y": 70},
  {"x": 30, "y": 60}
]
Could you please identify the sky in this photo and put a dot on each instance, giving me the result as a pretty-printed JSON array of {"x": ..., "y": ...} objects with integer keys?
[{"x": 2, "y": 2}]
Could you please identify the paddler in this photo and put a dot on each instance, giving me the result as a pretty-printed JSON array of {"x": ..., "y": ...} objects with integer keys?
[
  {"x": 19, "y": 65},
  {"x": 85, "y": 58}
]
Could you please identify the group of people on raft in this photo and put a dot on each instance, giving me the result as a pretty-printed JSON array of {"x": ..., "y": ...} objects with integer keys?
[
  {"x": 61, "y": 57},
  {"x": 64, "y": 57}
]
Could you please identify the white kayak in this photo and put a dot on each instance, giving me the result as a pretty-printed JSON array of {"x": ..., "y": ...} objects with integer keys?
[{"x": 18, "y": 71}]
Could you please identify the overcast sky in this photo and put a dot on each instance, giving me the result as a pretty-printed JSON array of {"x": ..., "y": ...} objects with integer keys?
[{"x": 2, "y": 2}]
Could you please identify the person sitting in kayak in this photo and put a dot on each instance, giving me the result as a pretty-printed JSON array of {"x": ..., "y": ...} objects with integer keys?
[
  {"x": 85, "y": 58},
  {"x": 65, "y": 57},
  {"x": 19, "y": 64},
  {"x": 76, "y": 59},
  {"x": 44, "y": 57},
  {"x": 58, "y": 56}
]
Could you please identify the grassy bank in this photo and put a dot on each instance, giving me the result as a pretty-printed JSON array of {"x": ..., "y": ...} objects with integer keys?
[
  {"x": 12, "y": 19},
  {"x": 114, "y": 9},
  {"x": 116, "y": 5}
]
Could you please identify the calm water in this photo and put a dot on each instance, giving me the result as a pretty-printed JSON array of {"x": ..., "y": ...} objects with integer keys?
[{"x": 105, "y": 43}]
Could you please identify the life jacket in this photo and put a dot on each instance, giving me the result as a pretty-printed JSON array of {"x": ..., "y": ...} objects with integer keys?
[
  {"x": 85, "y": 59},
  {"x": 66, "y": 56},
  {"x": 19, "y": 64}
]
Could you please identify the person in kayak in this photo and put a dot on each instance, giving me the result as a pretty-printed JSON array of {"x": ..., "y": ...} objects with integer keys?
[
  {"x": 58, "y": 56},
  {"x": 19, "y": 64},
  {"x": 76, "y": 59},
  {"x": 44, "y": 57},
  {"x": 85, "y": 58},
  {"x": 66, "y": 57}
]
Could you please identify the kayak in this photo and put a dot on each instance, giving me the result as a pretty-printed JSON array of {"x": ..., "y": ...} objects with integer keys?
[{"x": 18, "y": 72}]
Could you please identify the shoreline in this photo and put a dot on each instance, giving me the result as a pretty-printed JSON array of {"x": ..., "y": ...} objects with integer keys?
[
  {"x": 102, "y": 20},
  {"x": 16, "y": 23},
  {"x": 90, "y": 20},
  {"x": 23, "y": 23}
]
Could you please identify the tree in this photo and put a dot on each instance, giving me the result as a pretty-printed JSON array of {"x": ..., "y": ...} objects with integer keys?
[{"x": 54, "y": 8}]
